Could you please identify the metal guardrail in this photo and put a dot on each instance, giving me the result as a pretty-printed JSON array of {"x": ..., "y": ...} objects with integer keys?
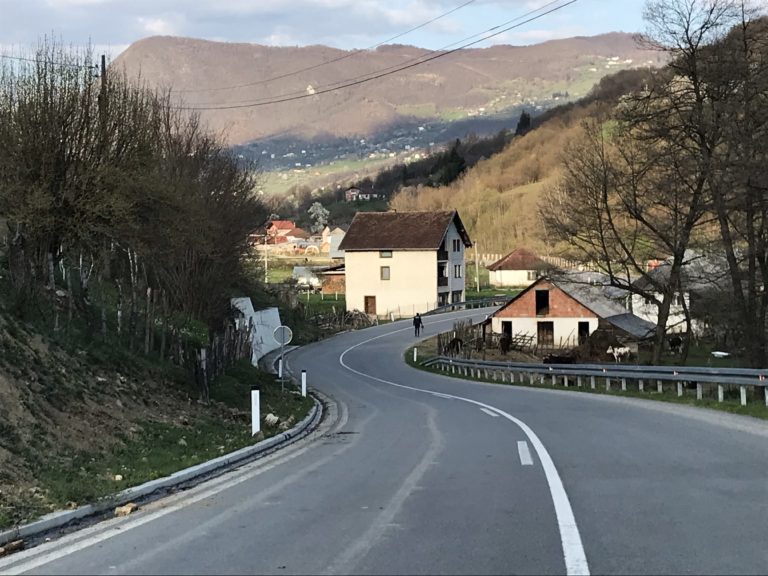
[
  {"x": 607, "y": 373},
  {"x": 470, "y": 305}
]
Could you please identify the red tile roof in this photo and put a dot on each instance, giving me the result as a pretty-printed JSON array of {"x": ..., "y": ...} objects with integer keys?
[
  {"x": 520, "y": 259},
  {"x": 298, "y": 233},
  {"x": 401, "y": 230},
  {"x": 281, "y": 224}
]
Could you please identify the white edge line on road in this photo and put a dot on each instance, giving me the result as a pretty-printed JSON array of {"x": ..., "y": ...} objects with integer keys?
[
  {"x": 573, "y": 549},
  {"x": 490, "y": 412},
  {"x": 525, "y": 454}
]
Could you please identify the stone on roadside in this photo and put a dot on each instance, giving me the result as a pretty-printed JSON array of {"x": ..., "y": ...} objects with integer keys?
[
  {"x": 271, "y": 420},
  {"x": 126, "y": 510},
  {"x": 11, "y": 547}
]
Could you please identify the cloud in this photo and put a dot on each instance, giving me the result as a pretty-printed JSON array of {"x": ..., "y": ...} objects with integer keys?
[
  {"x": 156, "y": 26},
  {"x": 341, "y": 23}
]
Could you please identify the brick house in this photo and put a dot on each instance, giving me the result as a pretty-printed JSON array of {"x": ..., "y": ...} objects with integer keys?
[
  {"x": 401, "y": 263},
  {"x": 562, "y": 314}
]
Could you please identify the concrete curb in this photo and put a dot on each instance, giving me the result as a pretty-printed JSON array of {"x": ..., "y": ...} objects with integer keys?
[{"x": 222, "y": 463}]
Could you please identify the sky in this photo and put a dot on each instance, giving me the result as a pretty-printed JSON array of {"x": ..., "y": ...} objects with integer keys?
[{"x": 112, "y": 25}]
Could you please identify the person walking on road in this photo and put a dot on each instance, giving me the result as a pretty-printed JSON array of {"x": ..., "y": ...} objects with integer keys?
[{"x": 417, "y": 324}]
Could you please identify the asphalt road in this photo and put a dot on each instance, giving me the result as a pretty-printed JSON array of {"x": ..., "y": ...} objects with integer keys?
[{"x": 418, "y": 473}]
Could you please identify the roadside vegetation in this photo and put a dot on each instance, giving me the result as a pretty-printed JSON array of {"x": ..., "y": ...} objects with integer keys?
[{"x": 126, "y": 228}]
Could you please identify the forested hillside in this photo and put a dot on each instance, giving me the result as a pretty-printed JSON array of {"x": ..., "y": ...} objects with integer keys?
[{"x": 497, "y": 198}]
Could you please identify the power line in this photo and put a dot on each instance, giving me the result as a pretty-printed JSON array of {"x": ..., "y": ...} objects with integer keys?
[
  {"x": 42, "y": 61},
  {"x": 386, "y": 71},
  {"x": 395, "y": 67},
  {"x": 332, "y": 60}
]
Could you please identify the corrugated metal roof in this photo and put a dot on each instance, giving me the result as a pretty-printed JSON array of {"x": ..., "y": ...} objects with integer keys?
[{"x": 401, "y": 230}]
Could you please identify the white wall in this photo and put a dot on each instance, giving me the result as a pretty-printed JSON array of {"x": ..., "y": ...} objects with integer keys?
[
  {"x": 412, "y": 286},
  {"x": 264, "y": 324},
  {"x": 509, "y": 278},
  {"x": 566, "y": 329},
  {"x": 650, "y": 312}
]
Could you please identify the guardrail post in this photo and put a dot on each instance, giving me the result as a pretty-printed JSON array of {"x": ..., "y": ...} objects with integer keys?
[
  {"x": 743, "y": 395},
  {"x": 607, "y": 384},
  {"x": 623, "y": 384},
  {"x": 485, "y": 371},
  {"x": 453, "y": 368},
  {"x": 659, "y": 387},
  {"x": 541, "y": 378},
  {"x": 720, "y": 393},
  {"x": 578, "y": 381},
  {"x": 765, "y": 393},
  {"x": 640, "y": 385},
  {"x": 554, "y": 379},
  {"x": 565, "y": 381},
  {"x": 592, "y": 382},
  {"x": 699, "y": 391},
  {"x": 679, "y": 389},
  {"x": 530, "y": 378}
]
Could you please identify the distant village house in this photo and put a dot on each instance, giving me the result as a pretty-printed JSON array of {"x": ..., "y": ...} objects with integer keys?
[{"x": 401, "y": 263}]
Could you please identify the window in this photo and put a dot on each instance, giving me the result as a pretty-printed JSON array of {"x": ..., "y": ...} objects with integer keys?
[
  {"x": 385, "y": 272},
  {"x": 457, "y": 244},
  {"x": 542, "y": 302},
  {"x": 455, "y": 296},
  {"x": 531, "y": 275},
  {"x": 385, "y": 253},
  {"x": 457, "y": 270}
]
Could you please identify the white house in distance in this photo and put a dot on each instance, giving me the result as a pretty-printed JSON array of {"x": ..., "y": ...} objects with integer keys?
[
  {"x": 401, "y": 263},
  {"x": 519, "y": 268},
  {"x": 700, "y": 276}
]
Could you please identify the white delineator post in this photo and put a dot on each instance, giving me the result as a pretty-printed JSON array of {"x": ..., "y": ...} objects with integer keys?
[
  {"x": 415, "y": 353},
  {"x": 304, "y": 383},
  {"x": 255, "y": 411}
]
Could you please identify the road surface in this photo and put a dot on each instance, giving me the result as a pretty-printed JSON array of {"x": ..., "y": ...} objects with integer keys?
[{"x": 418, "y": 473}]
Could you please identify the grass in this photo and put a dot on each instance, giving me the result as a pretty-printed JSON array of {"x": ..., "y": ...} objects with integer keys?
[
  {"x": 158, "y": 449},
  {"x": 731, "y": 402}
]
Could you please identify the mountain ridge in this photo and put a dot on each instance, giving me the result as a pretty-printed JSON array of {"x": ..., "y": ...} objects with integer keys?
[{"x": 493, "y": 80}]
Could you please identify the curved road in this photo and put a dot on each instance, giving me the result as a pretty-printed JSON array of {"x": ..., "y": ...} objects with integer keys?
[{"x": 418, "y": 473}]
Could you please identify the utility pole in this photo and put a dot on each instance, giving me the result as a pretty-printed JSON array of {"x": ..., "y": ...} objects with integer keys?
[
  {"x": 477, "y": 269},
  {"x": 266, "y": 260}
]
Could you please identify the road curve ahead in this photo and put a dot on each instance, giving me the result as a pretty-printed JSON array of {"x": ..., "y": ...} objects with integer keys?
[{"x": 419, "y": 473}]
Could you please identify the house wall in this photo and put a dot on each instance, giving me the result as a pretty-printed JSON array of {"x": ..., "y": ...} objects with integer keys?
[
  {"x": 564, "y": 312},
  {"x": 566, "y": 329},
  {"x": 649, "y": 311},
  {"x": 454, "y": 259},
  {"x": 412, "y": 286},
  {"x": 514, "y": 278}
]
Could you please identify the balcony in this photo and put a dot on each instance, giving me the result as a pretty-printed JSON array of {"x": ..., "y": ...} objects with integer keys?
[
  {"x": 442, "y": 255},
  {"x": 441, "y": 281}
]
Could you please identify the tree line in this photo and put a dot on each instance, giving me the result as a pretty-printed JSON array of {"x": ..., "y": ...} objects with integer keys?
[
  {"x": 676, "y": 171},
  {"x": 111, "y": 198}
]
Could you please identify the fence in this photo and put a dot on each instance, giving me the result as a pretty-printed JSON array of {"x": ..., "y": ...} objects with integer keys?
[{"x": 715, "y": 379}]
